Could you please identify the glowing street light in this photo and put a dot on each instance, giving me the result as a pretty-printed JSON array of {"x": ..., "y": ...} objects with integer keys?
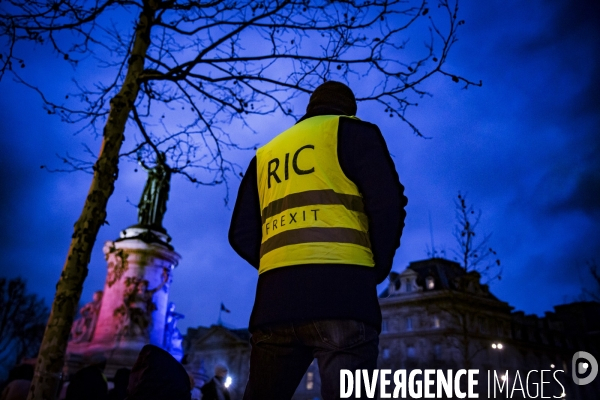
[
  {"x": 497, "y": 346},
  {"x": 227, "y": 382}
]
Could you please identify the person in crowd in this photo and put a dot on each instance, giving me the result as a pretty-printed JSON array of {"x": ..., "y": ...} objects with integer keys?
[
  {"x": 157, "y": 375},
  {"x": 89, "y": 383},
  {"x": 19, "y": 381},
  {"x": 319, "y": 214},
  {"x": 196, "y": 394},
  {"x": 215, "y": 389},
  {"x": 121, "y": 380}
]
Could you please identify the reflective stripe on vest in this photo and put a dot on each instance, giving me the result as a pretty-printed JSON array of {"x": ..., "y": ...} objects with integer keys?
[{"x": 311, "y": 212}]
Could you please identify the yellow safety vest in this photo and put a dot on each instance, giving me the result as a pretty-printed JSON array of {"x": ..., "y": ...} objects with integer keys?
[{"x": 311, "y": 212}]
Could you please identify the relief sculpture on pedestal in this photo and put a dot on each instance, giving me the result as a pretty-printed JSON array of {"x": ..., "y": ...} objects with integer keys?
[
  {"x": 135, "y": 314},
  {"x": 83, "y": 328}
]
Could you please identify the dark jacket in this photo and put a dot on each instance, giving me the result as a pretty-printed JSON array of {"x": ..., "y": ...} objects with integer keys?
[
  {"x": 156, "y": 375},
  {"x": 328, "y": 291},
  {"x": 88, "y": 383},
  {"x": 212, "y": 388},
  {"x": 121, "y": 381}
]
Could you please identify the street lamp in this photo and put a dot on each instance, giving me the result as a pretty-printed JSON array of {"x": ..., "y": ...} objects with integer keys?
[{"x": 499, "y": 346}]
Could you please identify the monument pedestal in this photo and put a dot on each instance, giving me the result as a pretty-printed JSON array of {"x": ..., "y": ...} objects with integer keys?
[{"x": 134, "y": 303}]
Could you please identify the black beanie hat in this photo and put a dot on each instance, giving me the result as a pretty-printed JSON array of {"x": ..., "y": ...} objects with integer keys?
[{"x": 333, "y": 95}]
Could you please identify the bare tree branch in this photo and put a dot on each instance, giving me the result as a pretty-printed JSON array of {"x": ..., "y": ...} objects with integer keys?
[
  {"x": 474, "y": 253},
  {"x": 22, "y": 320}
]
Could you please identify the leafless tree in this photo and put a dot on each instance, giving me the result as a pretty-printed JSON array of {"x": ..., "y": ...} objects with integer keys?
[
  {"x": 22, "y": 321},
  {"x": 211, "y": 66},
  {"x": 474, "y": 253},
  {"x": 592, "y": 293},
  {"x": 460, "y": 321}
]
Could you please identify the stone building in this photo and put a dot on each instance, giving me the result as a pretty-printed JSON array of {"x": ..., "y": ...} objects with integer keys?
[{"x": 437, "y": 316}]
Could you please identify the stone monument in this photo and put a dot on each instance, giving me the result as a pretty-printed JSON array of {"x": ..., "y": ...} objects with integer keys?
[{"x": 133, "y": 309}]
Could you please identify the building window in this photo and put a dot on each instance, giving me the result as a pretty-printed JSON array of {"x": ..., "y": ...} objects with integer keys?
[
  {"x": 384, "y": 325},
  {"x": 436, "y": 322},
  {"x": 437, "y": 351},
  {"x": 309, "y": 381},
  {"x": 409, "y": 325},
  {"x": 408, "y": 283},
  {"x": 483, "y": 326},
  {"x": 430, "y": 282},
  {"x": 386, "y": 353},
  {"x": 410, "y": 352}
]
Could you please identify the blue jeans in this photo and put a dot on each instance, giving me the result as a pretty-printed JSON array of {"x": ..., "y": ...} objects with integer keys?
[{"x": 282, "y": 353}]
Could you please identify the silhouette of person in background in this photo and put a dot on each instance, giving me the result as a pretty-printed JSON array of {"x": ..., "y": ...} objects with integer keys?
[
  {"x": 215, "y": 389},
  {"x": 195, "y": 389},
  {"x": 121, "y": 380},
  {"x": 156, "y": 375},
  {"x": 89, "y": 383},
  {"x": 19, "y": 380}
]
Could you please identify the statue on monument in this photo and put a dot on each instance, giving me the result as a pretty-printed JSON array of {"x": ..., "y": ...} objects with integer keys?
[
  {"x": 153, "y": 203},
  {"x": 172, "y": 337},
  {"x": 138, "y": 304},
  {"x": 83, "y": 328}
]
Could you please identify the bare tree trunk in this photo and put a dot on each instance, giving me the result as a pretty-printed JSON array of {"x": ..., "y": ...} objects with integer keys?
[{"x": 68, "y": 290}]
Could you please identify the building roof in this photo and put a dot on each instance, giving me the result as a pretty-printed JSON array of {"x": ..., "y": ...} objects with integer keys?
[{"x": 441, "y": 274}]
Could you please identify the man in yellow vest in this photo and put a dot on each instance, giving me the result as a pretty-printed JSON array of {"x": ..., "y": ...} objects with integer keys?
[{"x": 319, "y": 214}]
